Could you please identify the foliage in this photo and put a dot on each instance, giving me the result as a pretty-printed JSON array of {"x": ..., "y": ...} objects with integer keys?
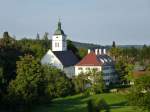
[
  {"x": 125, "y": 71},
  {"x": 2, "y": 81},
  {"x": 114, "y": 44},
  {"x": 7, "y": 41},
  {"x": 46, "y": 40},
  {"x": 73, "y": 48},
  {"x": 97, "y": 105},
  {"x": 37, "y": 36},
  {"x": 82, "y": 52},
  {"x": 131, "y": 55},
  {"x": 24, "y": 89},
  {"x": 36, "y": 83},
  {"x": 9, "y": 52},
  {"x": 97, "y": 83},
  {"x": 90, "y": 82},
  {"x": 34, "y": 47},
  {"x": 57, "y": 84},
  {"x": 79, "y": 82},
  {"x": 140, "y": 93}
]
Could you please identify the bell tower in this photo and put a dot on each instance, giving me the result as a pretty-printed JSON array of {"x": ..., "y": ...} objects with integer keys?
[{"x": 59, "y": 42}]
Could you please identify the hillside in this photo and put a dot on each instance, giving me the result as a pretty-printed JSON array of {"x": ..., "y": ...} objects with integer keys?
[
  {"x": 86, "y": 45},
  {"x": 92, "y": 46}
]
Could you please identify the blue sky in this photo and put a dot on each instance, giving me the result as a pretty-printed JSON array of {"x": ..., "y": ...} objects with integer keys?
[{"x": 94, "y": 21}]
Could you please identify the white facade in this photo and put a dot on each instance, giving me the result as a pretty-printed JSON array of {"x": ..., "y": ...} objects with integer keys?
[
  {"x": 59, "y": 43},
  {"x": 51, "y": 59},
  {"x": 108, "y": 72},
  {"x": 70, "y": 71},
  {"x": 85, "y": 69}
]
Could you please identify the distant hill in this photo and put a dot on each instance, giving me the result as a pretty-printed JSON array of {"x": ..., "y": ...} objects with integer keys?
[
  {"x": 94, "y": 46},
  {"x": 128, "y": 46},
  {"x": 87, "y": 45}
]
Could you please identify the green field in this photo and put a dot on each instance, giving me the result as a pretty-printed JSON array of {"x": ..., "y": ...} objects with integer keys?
[{"x": 78, "y": 103}]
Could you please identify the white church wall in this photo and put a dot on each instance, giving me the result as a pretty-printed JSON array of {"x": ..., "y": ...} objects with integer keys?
[
  {"x": 70, "y": 71},
  {"x": 51, "y": 59}
]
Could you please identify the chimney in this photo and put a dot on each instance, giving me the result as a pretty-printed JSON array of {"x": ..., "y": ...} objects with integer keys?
[
  {"x": 100, "y": 51},
  {"x": 89, "y": 51},
  {"x": 96, "y": 51},
  {"x": 104, "y": 51}
]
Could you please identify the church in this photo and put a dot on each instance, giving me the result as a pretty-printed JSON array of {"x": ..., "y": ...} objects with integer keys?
[
  {"x": 59, "y": 56},
  {"x": 62, "y": 58}
]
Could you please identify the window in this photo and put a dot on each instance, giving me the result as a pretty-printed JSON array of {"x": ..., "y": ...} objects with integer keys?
[
  {"x": 95, "y": 69},
  {"x": 79, "y": 68},
  {"x": 56, "y": 44},
  {"x": 87, "y": 68}
]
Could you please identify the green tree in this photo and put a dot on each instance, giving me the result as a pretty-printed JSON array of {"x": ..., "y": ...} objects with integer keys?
[
  {"x": 7, "y": 41},
  {"x": 90, "y": 82},
  {"x": 24, "y": 89},
  {"x": 73, "y": 48},
  {"x": 82, "y": 52},
  {"x": 115, "y": 52},
  {"x": 114, "y": 44},
  {"x": 97, "y": 83},
  {"x": 46, "y": 41},
  {"x": 98, "y": 105},
  {"x": 125, "y": 71},
  {"x": 2, "y": 81},
  {"x": 57, "y": 83},
  {"x": 80, "y": 82},
  {"x": 140, "y": 93},
  {"x": 37, "y": 36},
  {"x": 45, "y": 37}
]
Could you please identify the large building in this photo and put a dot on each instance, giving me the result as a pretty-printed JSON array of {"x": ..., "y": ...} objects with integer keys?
[
  {"x": 64, "y": 59},
  {"x": 99, "y": 61},
  {"x": 59, "y": 56}
]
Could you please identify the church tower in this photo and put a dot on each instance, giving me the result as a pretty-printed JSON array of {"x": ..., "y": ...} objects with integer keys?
[{"x": 59, "y": 42}]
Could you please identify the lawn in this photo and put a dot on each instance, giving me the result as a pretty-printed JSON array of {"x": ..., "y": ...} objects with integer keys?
[{"x": 78, "y": 103}]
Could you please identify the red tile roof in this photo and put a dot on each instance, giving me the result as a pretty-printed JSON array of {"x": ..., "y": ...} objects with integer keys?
[{"x": 89, "y": 60}]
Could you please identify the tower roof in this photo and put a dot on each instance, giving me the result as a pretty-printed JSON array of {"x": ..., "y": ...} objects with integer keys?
[{"x": 59, "y": 31}]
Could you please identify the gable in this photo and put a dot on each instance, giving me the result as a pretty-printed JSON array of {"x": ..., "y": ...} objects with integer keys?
[
  {"x": 89, "y": 60},
  {"x": 51, "y": 59}
]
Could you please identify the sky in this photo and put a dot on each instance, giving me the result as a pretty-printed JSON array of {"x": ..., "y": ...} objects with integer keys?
[{"x": 90, "y": 21}]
